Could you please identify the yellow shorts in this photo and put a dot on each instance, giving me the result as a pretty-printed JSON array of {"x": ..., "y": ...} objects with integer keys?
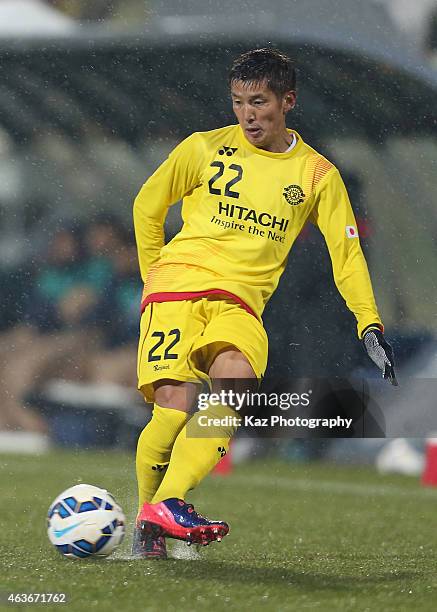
[{"x": 179, "y": 340}]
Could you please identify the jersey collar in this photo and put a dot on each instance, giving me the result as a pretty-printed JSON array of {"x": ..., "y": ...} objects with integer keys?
[{"x": 247, "y": 145}]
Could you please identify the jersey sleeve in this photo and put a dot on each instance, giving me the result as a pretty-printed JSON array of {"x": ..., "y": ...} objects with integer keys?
[
  {"x": 175, "y": 178},
  {"x": 334, "y": 216}
]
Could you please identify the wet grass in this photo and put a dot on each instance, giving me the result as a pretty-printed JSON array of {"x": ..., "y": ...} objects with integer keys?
[{"x": 302, "y": 537}]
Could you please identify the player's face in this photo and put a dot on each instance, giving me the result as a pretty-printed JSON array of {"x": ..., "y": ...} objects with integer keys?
[{"x": 261, "y": 114}]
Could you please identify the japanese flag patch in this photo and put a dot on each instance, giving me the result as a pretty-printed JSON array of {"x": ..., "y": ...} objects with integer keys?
[{"x": 351, "y": 231}]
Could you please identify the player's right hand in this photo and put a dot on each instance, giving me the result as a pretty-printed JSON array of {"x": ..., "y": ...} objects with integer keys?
[{"x": 381, "y": 353}]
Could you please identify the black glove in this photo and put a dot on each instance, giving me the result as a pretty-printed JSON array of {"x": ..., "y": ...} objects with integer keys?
[{"x": 380, "y": 352}]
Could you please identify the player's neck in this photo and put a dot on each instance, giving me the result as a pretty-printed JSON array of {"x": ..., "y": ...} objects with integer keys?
[{"x": 282, "y": 144}]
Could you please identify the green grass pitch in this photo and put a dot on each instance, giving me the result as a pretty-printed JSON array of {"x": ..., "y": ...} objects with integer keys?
[{"x": 302, "y": 537}]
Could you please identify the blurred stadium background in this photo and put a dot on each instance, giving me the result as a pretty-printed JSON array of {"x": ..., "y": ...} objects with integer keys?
[{"x": 93, "y": 95}]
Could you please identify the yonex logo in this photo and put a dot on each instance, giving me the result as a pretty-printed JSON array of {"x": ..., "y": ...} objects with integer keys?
[
  {"x": 222, "y": 451},
  {"x": 158, "y": 467},
  {"x": 58, "y": 533},
  {"x": 229, "y": 151}
]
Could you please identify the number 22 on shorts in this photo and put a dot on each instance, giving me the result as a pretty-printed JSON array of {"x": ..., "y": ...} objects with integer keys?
[{"x": 165, "y": 343}]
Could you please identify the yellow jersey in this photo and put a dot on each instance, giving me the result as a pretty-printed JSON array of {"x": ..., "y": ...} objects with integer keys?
[{"x": 243, "y": 208}]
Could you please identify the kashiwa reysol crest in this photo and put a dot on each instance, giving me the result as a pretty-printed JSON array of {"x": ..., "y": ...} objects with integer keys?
[{"x": 294, "y": 194}]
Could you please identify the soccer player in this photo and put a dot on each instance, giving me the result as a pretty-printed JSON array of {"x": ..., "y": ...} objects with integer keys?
[{"x": 247, "y": 191}]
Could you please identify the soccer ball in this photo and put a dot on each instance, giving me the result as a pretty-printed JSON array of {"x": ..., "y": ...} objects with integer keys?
[{"x": 85, "y": 521}]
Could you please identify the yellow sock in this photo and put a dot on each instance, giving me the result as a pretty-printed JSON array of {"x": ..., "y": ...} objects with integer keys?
[
  {"x": 196, "y": 451},
  {"x": 154, "y": 450}
]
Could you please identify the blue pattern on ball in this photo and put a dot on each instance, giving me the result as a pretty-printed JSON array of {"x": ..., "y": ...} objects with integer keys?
[
  {"x": 84, "y": 545},
  {"x": 101, "y": 542},
  {"x": 77, "y": 552},
  {"x": 62, "y": 511},
  {"x": 71, "y": 502},
  {"x": 87, "y": 506}
]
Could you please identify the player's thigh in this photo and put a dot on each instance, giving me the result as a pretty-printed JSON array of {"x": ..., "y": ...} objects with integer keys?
[
  {"x": 175, "y": 394},
  {"x": 168, "y": 331},
  {"x": 231, "y": 363},
  {"x": 232, "y": 327},
  {"x": 231, "y": 370}
]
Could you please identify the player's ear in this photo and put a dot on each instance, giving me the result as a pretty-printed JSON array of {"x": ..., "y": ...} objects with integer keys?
[{"x": 289, "y": 101}]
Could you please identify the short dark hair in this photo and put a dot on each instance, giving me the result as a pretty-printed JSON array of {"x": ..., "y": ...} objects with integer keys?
[{"x": 265, "y": 65}]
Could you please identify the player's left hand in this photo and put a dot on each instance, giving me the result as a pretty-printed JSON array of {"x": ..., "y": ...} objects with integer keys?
[{"x": 381, "y": 353}]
